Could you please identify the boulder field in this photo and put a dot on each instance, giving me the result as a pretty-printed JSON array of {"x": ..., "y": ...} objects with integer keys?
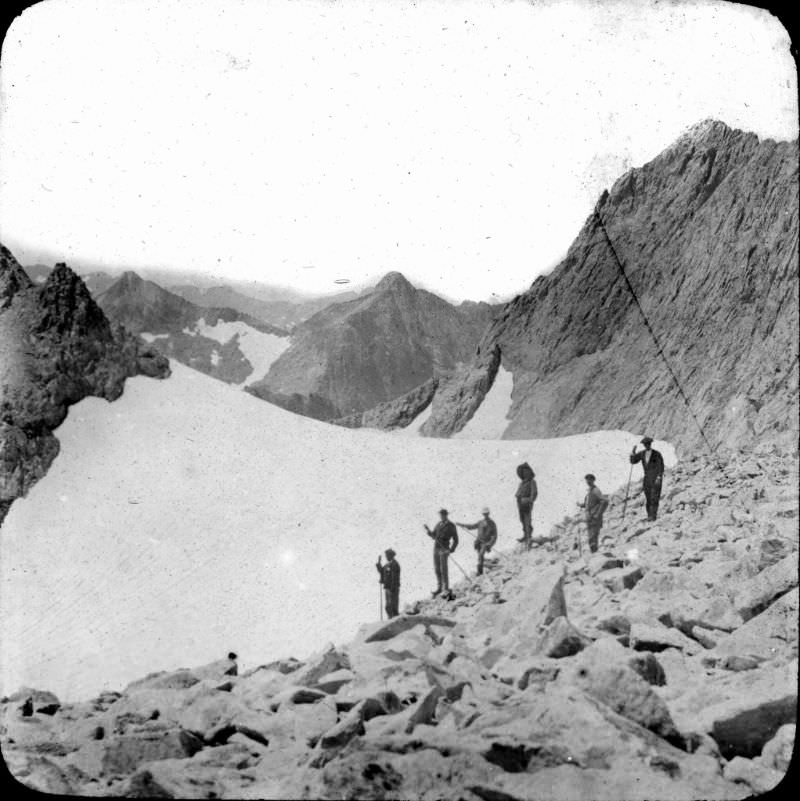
[{"x": 663, "y": 666}]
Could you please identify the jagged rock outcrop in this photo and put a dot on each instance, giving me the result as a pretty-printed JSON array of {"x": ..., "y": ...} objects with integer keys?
[
  {"x": 352, "y": 356},
  {"x": 57, "y": 348},
  {"x": 144, "y": 307},
  {"x": 464, "y": 699},
  {"x": 397, "y": 413},
  {"x": 707, "y": 234}
]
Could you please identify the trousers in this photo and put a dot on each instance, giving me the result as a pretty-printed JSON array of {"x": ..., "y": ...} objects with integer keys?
[
  {"x": 593, "y": 530},
  {"x": 652, "y": 496},
  {"x": 392, "y": 602},
  {"x": 440, "y": 557},
  {"x": 481, "y": 548},
  {"x": 525, "y": 513}
]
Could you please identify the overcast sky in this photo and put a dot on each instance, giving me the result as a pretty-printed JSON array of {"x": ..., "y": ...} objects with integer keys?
[{"x": 300, "y": 143}]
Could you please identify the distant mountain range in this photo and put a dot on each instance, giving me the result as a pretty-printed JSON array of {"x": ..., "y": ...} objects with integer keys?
[
  {"x": 200, "y": 337},
  {"x": 283, "y": 313},
  {"x": 353, "y": 355}
]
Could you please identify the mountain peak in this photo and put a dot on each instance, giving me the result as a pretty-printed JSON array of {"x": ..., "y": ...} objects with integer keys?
[
  {"x": 393, "y": 281},
  {"x": 12, "y": 277}
]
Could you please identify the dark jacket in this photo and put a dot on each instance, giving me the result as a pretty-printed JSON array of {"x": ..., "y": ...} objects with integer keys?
[
  {"x": 487, "y": 532},
  {"x": 390, "y": 574},
  {"x": 654, "y": 468},
  {"x": 442, "y": 534},
  {"x": 527, "y": 491}
]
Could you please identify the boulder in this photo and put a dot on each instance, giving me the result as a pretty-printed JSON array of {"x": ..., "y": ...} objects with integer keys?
[
  {"x": 332, "y": 682},
  {"x": 397, "y": 625},
  {"x": 320, "y": 665},
  {"x": 603, "y": 561},
  {"x": 529, "y": 671},
  {"x": 777, "y": 753},
  {"x": 752, "y": 772},
  {"x": 708, "y": 638},
  {"x": 742, "y": 711},
  {"x": 42, "y": 701},
  {"x": 38, "y": 773},
  {"x": 560, "y": 638},
  {"x": 657, "y": 637},
  {"x": 755, "y": 595},
  {"x": 622, "y": 578},
  {"x": 164, "y": 680},
  {"x": 217, "y": 670}
]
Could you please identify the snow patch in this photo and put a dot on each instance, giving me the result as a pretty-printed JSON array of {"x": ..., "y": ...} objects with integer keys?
[
  {"x": 260, "y": 349},
  {"x": 152, "y": 337},
  {"x": 413, "y": 428},
  {"x": 491, "y": 417},
  {"x": 202, "y": 520}
]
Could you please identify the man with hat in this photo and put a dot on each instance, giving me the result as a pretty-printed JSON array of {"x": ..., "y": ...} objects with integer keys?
[
  {"x": 595, "y": 504},
  {"x": 653, "y": 464},
  {"x": 486, "y": 536},
  {"x": 390, "y": 579},
  {"x": 445, "y": 541}
]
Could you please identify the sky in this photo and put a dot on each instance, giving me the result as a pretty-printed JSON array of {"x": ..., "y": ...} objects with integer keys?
[{"x": 308, "y": 143}]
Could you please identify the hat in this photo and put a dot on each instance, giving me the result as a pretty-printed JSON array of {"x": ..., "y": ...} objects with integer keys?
[
  {"x": 590, "y": 477},
  {"x": 646, "y": 440},
  {"x": 389, "y": 553},
  {"x": 485, "y": 510},
  {"x": 443, "y": 511}
]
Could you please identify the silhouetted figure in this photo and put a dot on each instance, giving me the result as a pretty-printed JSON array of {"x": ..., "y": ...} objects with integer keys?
[
  {"x": 595, "y": 504},
  {"x": 390, "y": 579},
  {"x": 445, "y": 541},
  {"x": 526, "y": 494},
  {"x": 653, "y": 464},
  {"x": 486, "y": 537}
]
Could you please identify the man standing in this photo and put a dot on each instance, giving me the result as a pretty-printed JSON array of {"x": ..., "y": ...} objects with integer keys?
[
  {"x": 445, "y": 541},
  {"x": 527, "y": 493},
  {"x": 653, "y": 464},
  {"x": 486, "y": 537},
  {"x": 595, "y": 504},
  {"x": 390, "y": 579}
]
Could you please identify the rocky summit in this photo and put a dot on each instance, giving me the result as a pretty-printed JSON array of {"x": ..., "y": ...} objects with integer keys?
[
  {"x": 352, "y": 356},
  {"x": 57, "y": 348},
  {"x": 675, "y": 308},
  {"x": 662, "y": 666}
]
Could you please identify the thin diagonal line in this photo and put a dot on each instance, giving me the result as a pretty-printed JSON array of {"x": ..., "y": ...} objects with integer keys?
[{"x": 653, "y": 335}]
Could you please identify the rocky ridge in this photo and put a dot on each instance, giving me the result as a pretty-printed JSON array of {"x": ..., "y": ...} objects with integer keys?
[
  {"x": 352, "y": 356},
  {"x": 664, "y": 666},
  {"x": 145, "y": 307},
  {"x": 57, "y": 348},
  {"x": 707, "y": 234}
]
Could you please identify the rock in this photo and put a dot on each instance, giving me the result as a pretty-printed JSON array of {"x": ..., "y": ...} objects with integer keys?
[
  {"x": 397, "y": 625},
  {"x": 656, "y": 637},
  {"x": 649, "y": 668},
  {"x": 352, "y": 724},
  {"x": 753, "y": 773},
  {"x": 38, "y": 773},
  {"x": 217, "y": 670},
  {"x": 425, "y": 711},
  {"x": 735, "y": 662},
  {"x": 42, "y": 701},
  {"x": 296, "y": 696},
  {"x": 767, "y": 635},
  {"x": 777, "y": 753},
  {"x": 316, "y": 667},
  {"x": 332, "y": 682},
  {"x": 530, "y": 671},
  {"x": 615, "y": 624},
  {"x": 164, "y": 680},
  {"x": 755, "y": 595},
  {"x": 598, "y": 673},
  {"x": 622, "y": 578},
  {"x": 561, "y": 639},
  {"x": 708, "y": 638},
  {"x": 602, "y": 561},
  {"x": 122, "y": 754},
  {"x": 742, "y": 711}
]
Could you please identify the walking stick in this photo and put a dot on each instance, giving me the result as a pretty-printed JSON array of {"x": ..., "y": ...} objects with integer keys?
[
  {"x": 460, "y": 568},
  {"x": 380, "y": 594},
  {"x": 627, "y": 492}
]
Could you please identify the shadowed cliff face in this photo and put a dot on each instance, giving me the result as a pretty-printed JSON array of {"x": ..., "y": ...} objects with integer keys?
[
  {"x": 352, "y": 356},
  {"x": 707, "y": 233},
  {"x": 57, "y": 348}
]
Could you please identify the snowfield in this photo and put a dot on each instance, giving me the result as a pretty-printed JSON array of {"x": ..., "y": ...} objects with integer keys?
[
  {"x": 491, "y": 417},
  {"x": 188, "y": 519},
  {"x": 260, "y": 349}
]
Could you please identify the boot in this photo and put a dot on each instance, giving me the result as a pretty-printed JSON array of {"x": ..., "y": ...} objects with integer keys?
[{"x": 436, "y": 592}]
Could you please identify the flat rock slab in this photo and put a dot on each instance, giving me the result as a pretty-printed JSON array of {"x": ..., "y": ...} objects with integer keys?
[
  {"x": 644, "y": 637},
  {"x": 756, "y": 594},
  {"x": 622, "y": 578},
  {"x": 403, "y": 623}
]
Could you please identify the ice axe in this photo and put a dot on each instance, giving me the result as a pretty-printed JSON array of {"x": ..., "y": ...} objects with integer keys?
[
  {"x": 380, "y": 594},
  {"x": 628, "y": 488},
  {"x": 452, "y": 558}
]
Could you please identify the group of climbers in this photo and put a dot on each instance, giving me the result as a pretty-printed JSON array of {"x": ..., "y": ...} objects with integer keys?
[{"x": 445, "y": 535}]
